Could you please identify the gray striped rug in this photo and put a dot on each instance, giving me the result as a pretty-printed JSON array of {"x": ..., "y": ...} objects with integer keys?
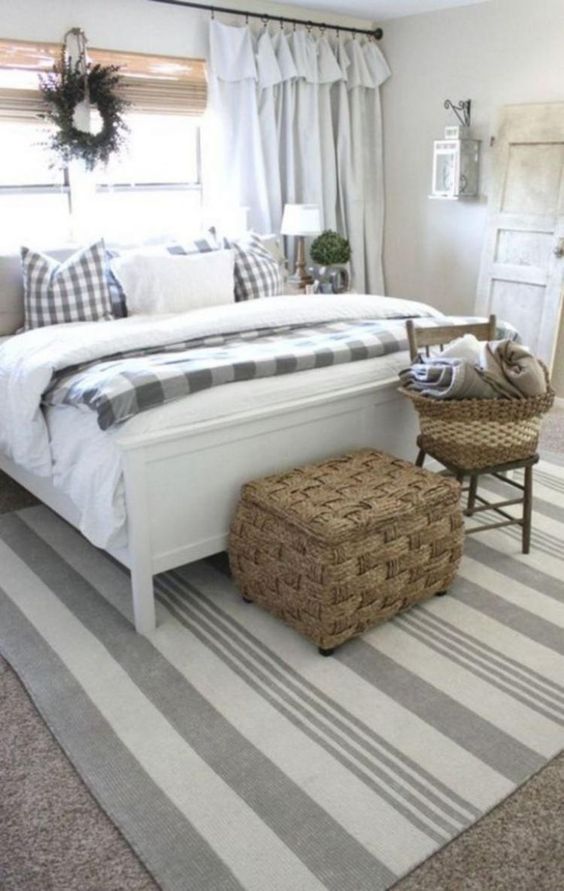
[{"x": 232, "y": 756}]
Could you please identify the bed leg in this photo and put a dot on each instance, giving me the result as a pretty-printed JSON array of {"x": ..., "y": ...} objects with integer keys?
[
  {"x": 140, "y": 554},
  {"x": 143, "y": 593}
]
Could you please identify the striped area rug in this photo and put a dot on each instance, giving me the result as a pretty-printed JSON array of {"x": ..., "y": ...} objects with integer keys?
[{"x": 232, "y": 756}]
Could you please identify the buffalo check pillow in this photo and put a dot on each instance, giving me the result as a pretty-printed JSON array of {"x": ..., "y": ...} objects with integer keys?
[
  {"x": 203, "y": 244},
  {"x": 257, "y": 272},
  {"x": 76, "y": 290}
]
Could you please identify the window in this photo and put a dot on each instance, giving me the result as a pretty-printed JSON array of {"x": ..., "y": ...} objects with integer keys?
[
  {"x": 34, "y": 199},
  {"x": 151, "y": 190}
]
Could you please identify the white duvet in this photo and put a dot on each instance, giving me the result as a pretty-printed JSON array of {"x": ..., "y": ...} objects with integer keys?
[{"x": 67, "y": 444}]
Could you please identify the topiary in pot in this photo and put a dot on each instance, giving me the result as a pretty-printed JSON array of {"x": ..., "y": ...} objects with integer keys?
[
  {"x": 330, "y": 249},
  {"x": 331, "y": 254}
]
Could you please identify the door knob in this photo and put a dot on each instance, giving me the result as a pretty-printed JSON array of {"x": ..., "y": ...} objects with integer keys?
[{"x": 559, "y": 249}]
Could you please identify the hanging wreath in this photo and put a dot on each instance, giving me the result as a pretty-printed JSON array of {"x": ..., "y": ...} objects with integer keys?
[{"x": 85, "y": 107}]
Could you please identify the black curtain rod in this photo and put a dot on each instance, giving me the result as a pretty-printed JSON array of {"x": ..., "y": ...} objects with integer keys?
[{"x": 377, "y": 33}]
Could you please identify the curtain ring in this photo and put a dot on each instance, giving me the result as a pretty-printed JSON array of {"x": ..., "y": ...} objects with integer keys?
[
  {"x": 281, "y": 24},
  {"x": 265, "y": 21},
  {"x": 212, "y": 13},
  {"x": 247, "y": 19}
]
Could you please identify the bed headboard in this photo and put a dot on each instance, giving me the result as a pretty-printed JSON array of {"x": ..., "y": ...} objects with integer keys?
[
  {"x": 11, "y": 289},
  {"x": 11, "y": 281}
]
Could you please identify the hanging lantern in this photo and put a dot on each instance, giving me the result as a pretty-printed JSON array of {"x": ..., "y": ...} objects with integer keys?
[{"x": 456, "y": 158}]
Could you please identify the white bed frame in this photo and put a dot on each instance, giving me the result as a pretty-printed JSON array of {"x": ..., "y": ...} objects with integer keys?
[{"x": 182, "y": 485}]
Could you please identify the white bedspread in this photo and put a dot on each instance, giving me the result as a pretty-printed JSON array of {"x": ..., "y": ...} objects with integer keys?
[{"x": 84, "y": 462}]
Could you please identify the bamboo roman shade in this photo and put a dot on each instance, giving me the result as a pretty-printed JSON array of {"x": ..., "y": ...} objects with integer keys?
[{"x": 153, "y": 84}]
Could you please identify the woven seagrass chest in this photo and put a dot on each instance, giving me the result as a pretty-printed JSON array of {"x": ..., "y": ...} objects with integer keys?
[{"x": 337, "y": 547}]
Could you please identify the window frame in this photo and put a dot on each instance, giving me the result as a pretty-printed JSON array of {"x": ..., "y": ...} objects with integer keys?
[{"x": 66, "y": 187}]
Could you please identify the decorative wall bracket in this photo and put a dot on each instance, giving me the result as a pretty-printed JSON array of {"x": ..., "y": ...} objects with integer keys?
[{"x": 463, "y": 111}]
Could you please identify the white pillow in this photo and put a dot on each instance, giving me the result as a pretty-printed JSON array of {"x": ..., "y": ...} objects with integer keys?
[{"x": 175, "y": 283}]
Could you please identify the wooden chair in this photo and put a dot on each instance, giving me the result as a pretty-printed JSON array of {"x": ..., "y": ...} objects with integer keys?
[{"x": 423, "y": 339}]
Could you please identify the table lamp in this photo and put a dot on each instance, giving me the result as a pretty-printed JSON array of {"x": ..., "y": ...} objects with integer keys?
[{"x": 298, "y": 221}]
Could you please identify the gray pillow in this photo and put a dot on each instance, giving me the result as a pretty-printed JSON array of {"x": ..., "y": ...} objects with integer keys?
[
  {"x": 75, "y": 290},
  {"x": 257, "y": 272}
]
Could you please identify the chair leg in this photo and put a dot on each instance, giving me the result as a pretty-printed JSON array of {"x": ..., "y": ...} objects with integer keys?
[
  {"x": 472, "y": 495},
  {"x": 421, "y": 458},
  {"x": 527, "y": 509}
]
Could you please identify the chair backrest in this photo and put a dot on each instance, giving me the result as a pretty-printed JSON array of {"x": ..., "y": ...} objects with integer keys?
[{"x": 423, "y": 337}]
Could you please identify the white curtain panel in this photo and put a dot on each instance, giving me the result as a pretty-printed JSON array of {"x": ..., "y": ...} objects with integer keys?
[
  {"x": 297, "y": 119},
  {"x": 234, "y": 161},
  {"x": 269, "y": 83}
]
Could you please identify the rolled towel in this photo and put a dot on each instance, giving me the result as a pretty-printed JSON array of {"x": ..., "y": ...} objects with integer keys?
[
  {"x": 446, "y": 378},
  {"x": 512, "y": 370}
]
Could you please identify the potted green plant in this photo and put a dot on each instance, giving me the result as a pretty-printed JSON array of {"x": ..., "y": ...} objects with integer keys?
[{"x": 331, "y": 254}]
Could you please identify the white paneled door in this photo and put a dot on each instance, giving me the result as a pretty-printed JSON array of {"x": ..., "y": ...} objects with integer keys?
[{"x": 522, "y": 272}]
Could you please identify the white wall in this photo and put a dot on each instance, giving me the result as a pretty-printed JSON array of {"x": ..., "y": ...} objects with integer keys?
[
  {"x": 495, "y": 53},
  {"x": 135, "y": 25}
]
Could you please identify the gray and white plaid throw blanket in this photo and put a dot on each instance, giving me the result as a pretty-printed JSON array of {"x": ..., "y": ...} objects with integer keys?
[{"x": 123, "y": 385}]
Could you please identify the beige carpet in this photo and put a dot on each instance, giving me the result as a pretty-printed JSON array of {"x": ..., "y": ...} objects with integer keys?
[{"x": 54, "y": 836}]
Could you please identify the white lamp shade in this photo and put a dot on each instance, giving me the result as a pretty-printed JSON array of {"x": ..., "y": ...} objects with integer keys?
[{"x": 301, "y": 219}]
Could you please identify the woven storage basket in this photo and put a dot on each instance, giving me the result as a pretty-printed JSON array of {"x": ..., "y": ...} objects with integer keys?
[
  {"x": 477, "y": 433},
  {"x": 337, "y": 547}
]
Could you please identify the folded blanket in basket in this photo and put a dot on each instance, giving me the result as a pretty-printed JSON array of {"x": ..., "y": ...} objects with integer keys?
[
  {"x": 503, "y": 370},
  {"x": 447, "y": 378}
]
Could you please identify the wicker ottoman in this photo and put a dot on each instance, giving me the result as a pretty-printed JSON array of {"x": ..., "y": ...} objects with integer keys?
[{"x": 335, "y": 548}]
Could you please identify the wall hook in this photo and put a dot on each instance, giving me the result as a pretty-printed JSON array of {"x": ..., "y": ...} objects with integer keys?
[{"x": 463, "y": 111}]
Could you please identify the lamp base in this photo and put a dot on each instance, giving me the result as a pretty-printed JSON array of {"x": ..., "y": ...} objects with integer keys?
[
  {"x": 299, "y": 282},
  {"x": 301, "y": 278}
]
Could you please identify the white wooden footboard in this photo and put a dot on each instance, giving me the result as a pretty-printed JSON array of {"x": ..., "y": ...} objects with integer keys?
[{"x": 182, "y": 485}]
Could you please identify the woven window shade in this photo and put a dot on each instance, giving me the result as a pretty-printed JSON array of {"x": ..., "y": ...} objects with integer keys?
[{"x": 153, "y": 84}]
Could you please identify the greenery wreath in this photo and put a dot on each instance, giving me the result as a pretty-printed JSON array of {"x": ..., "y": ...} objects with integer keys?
[{"x": 70, "y": 84}]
